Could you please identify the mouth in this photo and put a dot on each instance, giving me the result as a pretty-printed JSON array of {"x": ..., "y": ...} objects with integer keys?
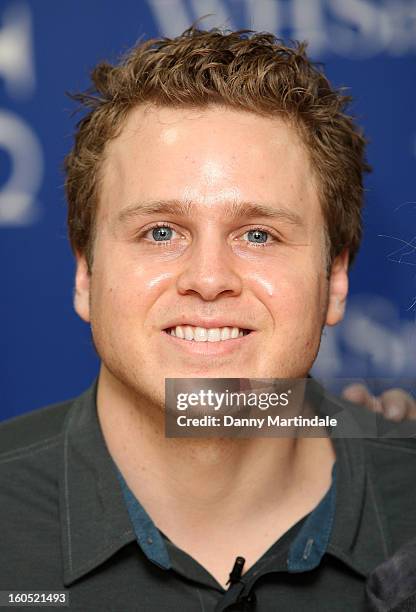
[{"x": 191, "y": 333}]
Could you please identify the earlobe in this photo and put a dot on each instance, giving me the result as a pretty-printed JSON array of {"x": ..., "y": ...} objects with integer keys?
[
  {"x": 82, "y": 288},
  {"x": 338, "y": 289}
]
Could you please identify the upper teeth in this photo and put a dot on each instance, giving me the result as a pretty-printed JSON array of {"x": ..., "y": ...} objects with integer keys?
[{"x": 202, "y": 334}]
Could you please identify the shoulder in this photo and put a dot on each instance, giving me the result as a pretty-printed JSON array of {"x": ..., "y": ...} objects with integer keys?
[
  {"x": 388, "y": 445},
  {"x": 30, "y": 469},
  {"x": 392, "y": 467},
  {"x": 387, "y": 451},
  {"x": 392, "y": 478},
  {"x": 32, "y": 432},
  {"x": 393, "y": 460},
  {"x": 381, "y": 437}
]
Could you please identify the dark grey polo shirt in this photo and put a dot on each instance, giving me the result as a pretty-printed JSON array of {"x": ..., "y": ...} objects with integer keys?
[{"x": 65, "y": 524}]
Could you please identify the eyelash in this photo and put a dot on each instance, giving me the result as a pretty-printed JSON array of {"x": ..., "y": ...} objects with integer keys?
[{"x": 162, "y": 243}]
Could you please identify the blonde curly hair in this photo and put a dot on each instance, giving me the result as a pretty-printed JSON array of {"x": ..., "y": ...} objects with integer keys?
[{"x": 243, "y": 70}]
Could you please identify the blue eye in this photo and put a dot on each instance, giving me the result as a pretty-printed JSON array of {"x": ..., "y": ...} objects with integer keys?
[
  {"x": 257, "y": 235},
  {"x": 162, "y": 233}
]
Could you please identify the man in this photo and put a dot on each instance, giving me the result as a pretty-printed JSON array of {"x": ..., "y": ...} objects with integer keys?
[{"x": 214, "y": 190}]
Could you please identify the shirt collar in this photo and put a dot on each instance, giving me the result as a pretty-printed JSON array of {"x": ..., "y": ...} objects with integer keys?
[
  {"x": 147, "y": 534},
  {"x": 305, "y": 552},
  {"x": 311, "y": 542},
  {"x": 359, "y": 533},
  {"x": 96, "y": 523},
  {"x": 359, "y": 536}
]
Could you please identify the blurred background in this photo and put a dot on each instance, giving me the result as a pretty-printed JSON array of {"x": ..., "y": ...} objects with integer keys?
[{"x": 49, "y": 47}]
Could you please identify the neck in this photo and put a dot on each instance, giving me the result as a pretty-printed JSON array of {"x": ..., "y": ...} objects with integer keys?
[{"x": 200, "y": 477}]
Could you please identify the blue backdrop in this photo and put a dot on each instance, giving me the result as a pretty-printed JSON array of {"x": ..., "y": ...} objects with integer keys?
[{"x": 48, "y": 47}]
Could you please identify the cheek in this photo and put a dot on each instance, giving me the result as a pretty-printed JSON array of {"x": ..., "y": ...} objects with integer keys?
[
  {"x": 298, "y": 294},
  {"x": 125, "y": 293},
  {"x": 268, "y": 285},
  {"x": 154, "y": 281}
]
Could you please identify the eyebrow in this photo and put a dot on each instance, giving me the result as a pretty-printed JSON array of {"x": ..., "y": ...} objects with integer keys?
[{"x": 232, "y": 210}]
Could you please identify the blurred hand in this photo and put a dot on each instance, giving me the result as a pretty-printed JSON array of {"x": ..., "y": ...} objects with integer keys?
[{"x": 395, "y": 404}]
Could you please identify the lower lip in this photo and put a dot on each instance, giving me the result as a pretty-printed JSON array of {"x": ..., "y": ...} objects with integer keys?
[{"x": 222, "y": 347}]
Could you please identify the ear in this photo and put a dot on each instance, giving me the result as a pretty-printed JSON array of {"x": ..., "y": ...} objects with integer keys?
[
  {"x": 338, "y": 288},
  {"x": 82, "y": 288}
]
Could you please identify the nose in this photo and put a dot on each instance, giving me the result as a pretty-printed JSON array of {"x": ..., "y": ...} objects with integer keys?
[{"x": 210, "y": 270}]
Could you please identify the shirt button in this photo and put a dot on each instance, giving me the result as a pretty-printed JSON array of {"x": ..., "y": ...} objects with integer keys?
[
  {"x": 308, "y": 548},
  {"x": 149, "y": 540}
]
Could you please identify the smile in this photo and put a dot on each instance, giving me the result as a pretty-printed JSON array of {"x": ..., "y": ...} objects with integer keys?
[{"x": 204, "y": 334}]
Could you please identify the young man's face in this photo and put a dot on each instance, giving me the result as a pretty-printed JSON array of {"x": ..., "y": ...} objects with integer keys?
[{"x": 210, "y": 219}]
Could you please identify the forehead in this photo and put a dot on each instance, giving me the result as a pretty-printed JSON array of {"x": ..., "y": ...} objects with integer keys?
[{"x": 210, "y": 157}]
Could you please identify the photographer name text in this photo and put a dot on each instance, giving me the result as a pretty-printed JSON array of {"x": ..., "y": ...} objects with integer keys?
[{"x": 257, "y": 422}]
